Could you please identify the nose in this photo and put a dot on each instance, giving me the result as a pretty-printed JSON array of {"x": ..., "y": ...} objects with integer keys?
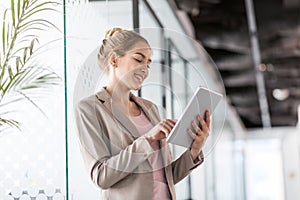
[{"x": 144, "y": 69}]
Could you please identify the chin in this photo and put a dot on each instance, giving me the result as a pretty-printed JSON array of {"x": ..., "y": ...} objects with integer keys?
[{"x": 136, "y": 87}]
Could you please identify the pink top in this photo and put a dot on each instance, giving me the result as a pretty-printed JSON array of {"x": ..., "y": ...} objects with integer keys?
[{"x": 160, "y": 189}]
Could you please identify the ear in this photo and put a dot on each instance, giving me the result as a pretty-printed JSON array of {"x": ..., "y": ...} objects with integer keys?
[{"x": 113, "y": 59}]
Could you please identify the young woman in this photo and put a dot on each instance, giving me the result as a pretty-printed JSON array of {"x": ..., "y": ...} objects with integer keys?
[{"x": 122, "y": 137}]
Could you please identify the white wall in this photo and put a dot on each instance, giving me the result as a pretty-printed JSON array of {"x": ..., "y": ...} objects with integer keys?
[{"x": 291, "y": 160}]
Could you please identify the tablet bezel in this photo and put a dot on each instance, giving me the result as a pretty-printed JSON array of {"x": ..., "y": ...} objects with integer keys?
[{"x": 210, "y": 100}]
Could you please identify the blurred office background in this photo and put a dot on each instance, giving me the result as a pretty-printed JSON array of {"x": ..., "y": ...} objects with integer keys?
[{"x": 247, "y": 50}]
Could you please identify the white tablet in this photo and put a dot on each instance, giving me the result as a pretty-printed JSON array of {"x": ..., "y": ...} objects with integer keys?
[{"x": 203, "y": 99}]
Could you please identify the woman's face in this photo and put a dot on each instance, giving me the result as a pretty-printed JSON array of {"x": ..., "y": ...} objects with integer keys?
[{"x": 133, "y": 67}]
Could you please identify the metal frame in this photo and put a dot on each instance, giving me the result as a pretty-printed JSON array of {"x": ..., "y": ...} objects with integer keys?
[{"x": 261, "y": 88}]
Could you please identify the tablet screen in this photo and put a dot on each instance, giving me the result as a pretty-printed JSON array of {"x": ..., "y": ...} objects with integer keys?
[{"x": 203, "y": 99}]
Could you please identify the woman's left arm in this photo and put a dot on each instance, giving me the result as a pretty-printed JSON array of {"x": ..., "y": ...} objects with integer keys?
[{"x": 193, "y": 157}]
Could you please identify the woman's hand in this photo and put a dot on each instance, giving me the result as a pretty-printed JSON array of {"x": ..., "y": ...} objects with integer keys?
[
  {"x": 161, "y": 130},
  {"x": 199, "y": 134}
]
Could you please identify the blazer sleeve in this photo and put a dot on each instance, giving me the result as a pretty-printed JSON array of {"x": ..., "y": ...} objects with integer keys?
[
  {"x": 184, "y": 165},
  {"x": 105, "y": 169}
]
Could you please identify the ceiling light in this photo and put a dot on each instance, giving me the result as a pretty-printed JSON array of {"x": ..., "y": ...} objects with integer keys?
[
  {"x": 262, "y": 67},
  {"x": 281, "y": 94}
]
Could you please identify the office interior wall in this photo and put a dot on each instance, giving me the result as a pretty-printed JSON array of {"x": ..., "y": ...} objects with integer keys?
[
  {"x": 291, "y": 160},
  {"x": 33, "y": 158}
]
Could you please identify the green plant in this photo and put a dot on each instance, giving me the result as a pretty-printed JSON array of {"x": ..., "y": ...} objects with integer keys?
[{"x": 18, "y": 73}]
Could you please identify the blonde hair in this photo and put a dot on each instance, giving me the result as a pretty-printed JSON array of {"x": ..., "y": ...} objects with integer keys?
[{"x": 118, "y": 41}]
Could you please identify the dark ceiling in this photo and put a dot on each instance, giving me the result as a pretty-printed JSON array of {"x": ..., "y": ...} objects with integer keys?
[{"x": 222, "y": 28}]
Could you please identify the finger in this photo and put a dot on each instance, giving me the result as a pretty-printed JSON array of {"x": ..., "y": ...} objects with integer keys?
[
  {"x": 190, "y": 132},
  {"x": 171, "y": 122},
  {"x": 166, "y": 128},
  {"x": 163, "y": 130},
  {"x": 174, "y": 121},
  {"x": 207, "y": 118},
  {"x": 167, "y": 125},
  {"x": 196, "y": 128},
  {"x": 202, "y": 123}
]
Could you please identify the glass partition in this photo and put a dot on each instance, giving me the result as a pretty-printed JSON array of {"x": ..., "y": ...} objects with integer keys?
[
  {"x": 86, "y": 23},
  {"x": 32, "y": 157}
]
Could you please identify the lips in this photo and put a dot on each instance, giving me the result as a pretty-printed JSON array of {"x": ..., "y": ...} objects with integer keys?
[{"x": 139, "y": 77}]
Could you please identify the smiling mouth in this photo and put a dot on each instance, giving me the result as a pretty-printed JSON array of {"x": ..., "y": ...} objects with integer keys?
[{"x": 139, "y": 77}]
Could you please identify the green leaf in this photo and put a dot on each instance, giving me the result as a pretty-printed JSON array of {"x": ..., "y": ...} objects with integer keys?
[
  {"x": 17, "y": 30},
  {"x": 43, "y": 9},
  {"x": 4, "y": 32},
  {"x": 18, "y": 62},
  {"x": 32, "y": 3},
  {"x": 13, "y": 12},
  {"x": 32, "y": 102},
  {"x": 10, "y": 72},
  {"x": 17, "y": 51},
  {"x": 20, "y": 76},
  {"x": 10, "y": 122},
  {"x": 18, "y": 8},
  {"x": 7, "y": 33},
  {"x": 30, "y": 36},
  {"x": 33, "y": 29},
  {"x": 26, "y": 4},
  {"x": 32, "y": 45},
  {"x": 37, "y": 22},
  {"x": 38, "y": 6},
  {"x": 2, "y": 74},
  {"x": 25, "y": 54}
]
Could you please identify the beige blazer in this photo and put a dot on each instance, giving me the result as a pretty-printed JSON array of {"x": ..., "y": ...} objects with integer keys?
[{"x": 116, "y": 157}]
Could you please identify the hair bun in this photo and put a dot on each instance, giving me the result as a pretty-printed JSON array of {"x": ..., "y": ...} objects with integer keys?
[{"x": 109, "y": 33}]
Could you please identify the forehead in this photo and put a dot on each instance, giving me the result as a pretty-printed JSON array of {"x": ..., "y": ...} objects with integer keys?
[{"x": 143, "y": 48}]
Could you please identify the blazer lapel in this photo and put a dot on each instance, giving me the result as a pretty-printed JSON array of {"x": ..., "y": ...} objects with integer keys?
[
  {"x": 124, "y": 120},
  {"x": 150, "y": 112},
  {"x": 116, "y": 112}
]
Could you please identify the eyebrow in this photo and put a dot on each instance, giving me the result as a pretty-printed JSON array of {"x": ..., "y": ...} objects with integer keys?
[{"x": 143, "y": 56}]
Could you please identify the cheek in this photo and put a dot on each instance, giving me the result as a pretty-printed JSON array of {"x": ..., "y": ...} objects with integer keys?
[
  {"x": 147, "y": 74},
  {"x": 127, "y": 65}
]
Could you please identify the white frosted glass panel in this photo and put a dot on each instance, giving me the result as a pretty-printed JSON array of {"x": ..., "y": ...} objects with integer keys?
[
  {"x": 58, "y": 196},
  {"x": 41, "y": 197},
  {"x": 7, "y": 197},
  {"x": 25, "y": 197},
  {"x": 16, "y": 192},
  {"x": 33, "y": 191},
  {"x": 34, "y": 156}
]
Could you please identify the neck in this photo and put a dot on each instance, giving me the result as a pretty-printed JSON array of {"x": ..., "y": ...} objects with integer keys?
[{"x": 119, "y": 93}]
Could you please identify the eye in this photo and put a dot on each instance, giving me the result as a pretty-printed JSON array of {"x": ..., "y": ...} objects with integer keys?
[{"x": 138, "y": 60}]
